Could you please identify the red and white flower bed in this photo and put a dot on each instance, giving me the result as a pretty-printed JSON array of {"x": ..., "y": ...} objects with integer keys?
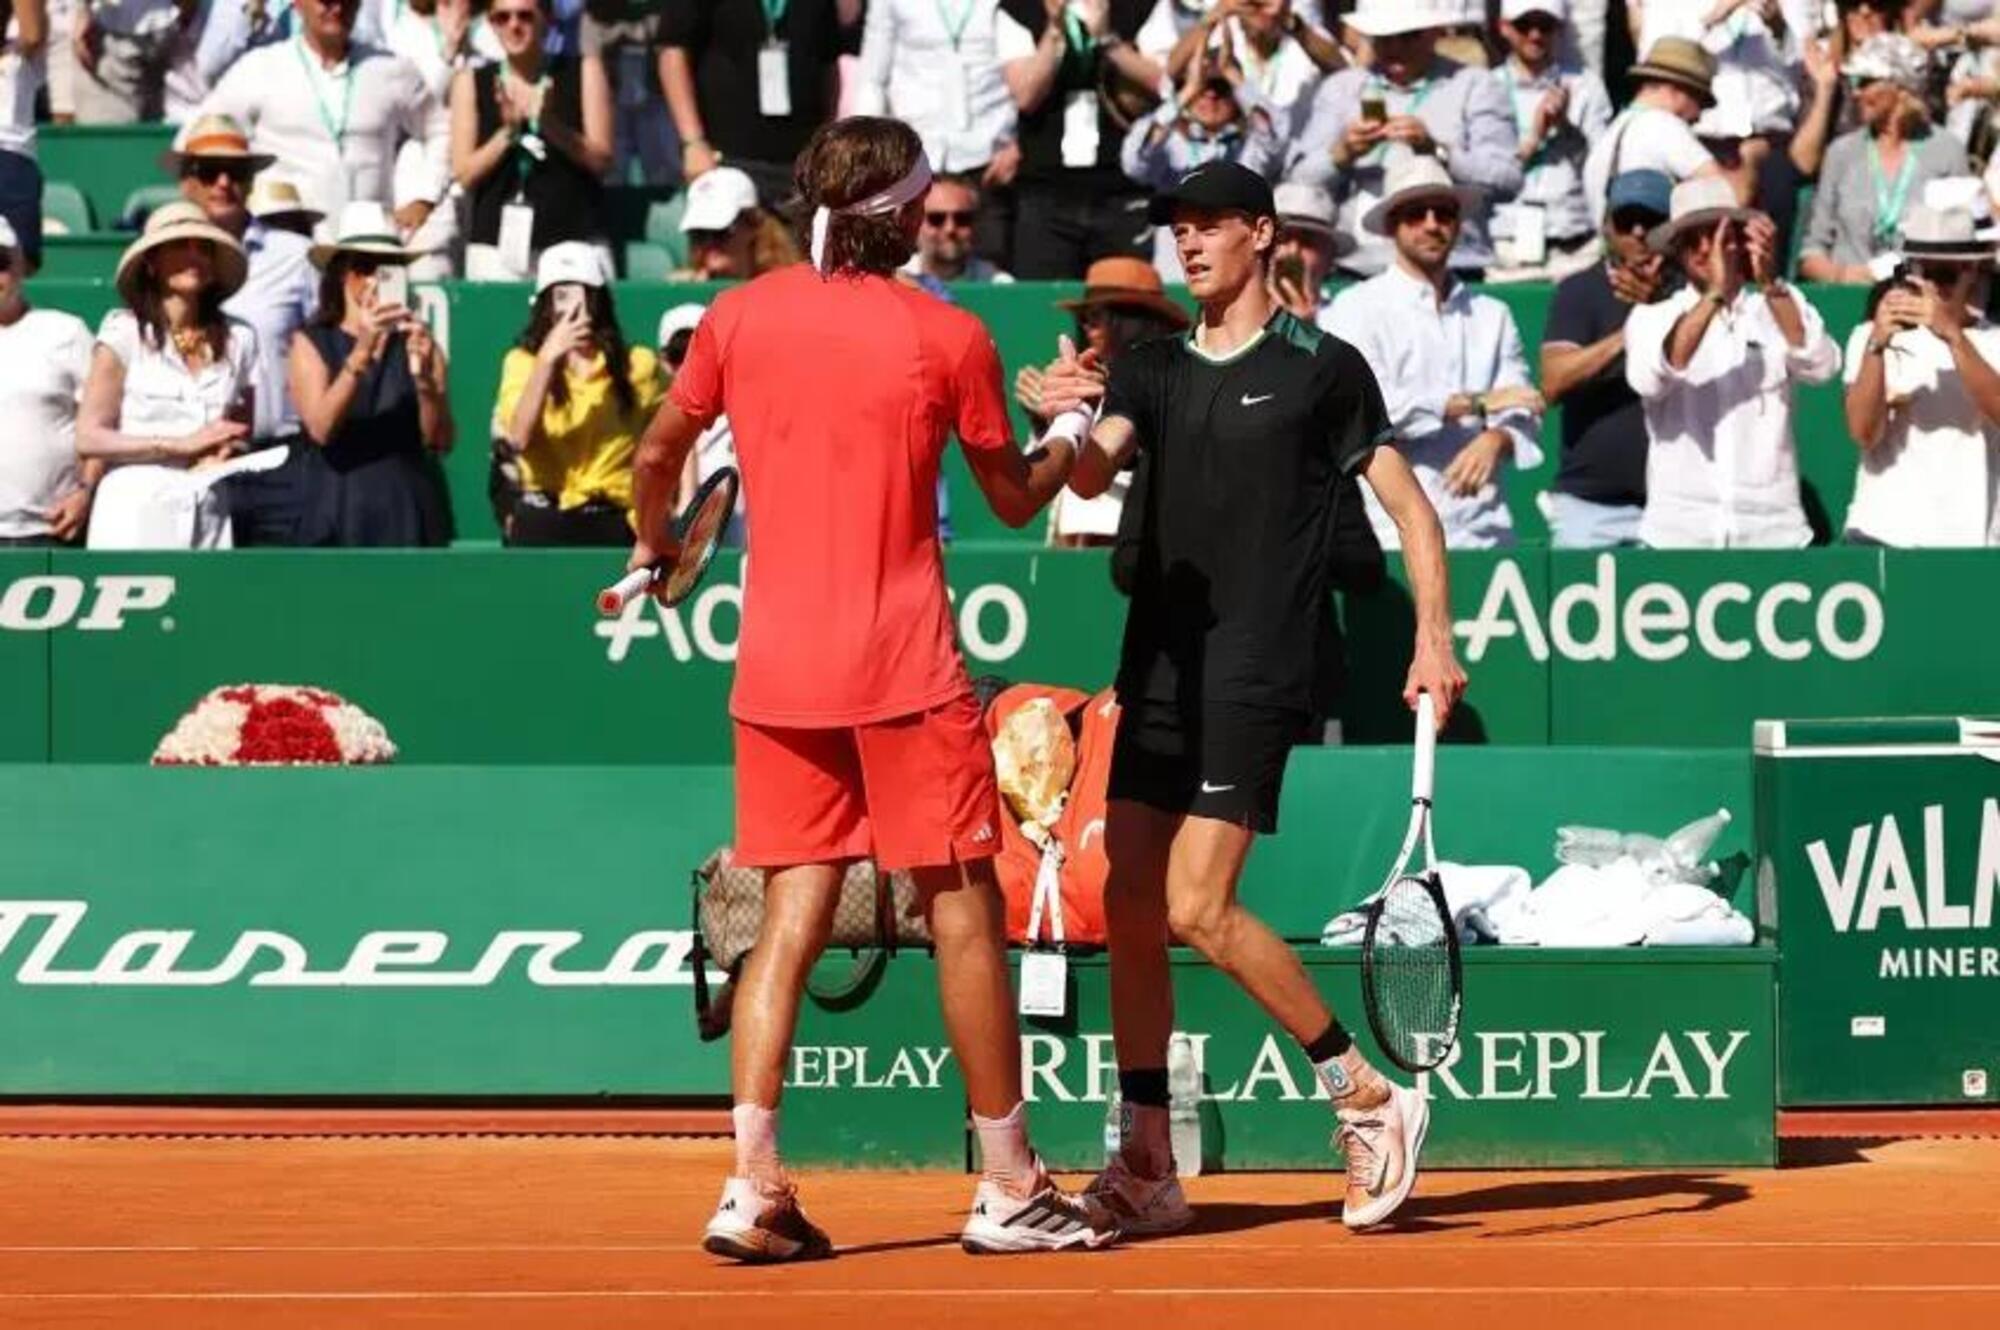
[{"x": 259, "y": 725}]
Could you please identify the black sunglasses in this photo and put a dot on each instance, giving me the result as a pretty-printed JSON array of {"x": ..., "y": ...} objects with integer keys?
[
  {"x": 1538, "y": 22},
  {"x": 1448, "y": 213},
  {"x": 707, "y": 237},
  {"x": 676, "y": 349},
  {"x": 6, "y": 260},
  {"x": 507, "y": 17},
  {"x": 1634, "y": 219},
  {"x": 362, "y": 267},
  {"x": 964, "y": 217},
  {"x": 208, "y": 172}
]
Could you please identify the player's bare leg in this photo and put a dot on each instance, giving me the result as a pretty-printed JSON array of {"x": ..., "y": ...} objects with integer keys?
[
  {"x": 1016, "y": 1207},
  {"x": 759, "y": 1217}
]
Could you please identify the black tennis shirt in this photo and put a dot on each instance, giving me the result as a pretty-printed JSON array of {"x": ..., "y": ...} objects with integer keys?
[{"x": 1245, "y": 454}]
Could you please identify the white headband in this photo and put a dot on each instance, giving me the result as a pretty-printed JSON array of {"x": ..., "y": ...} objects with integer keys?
[{"x": 912, "y": 186}]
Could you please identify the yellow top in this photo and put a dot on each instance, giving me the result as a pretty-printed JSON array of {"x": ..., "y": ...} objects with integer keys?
[{"x": 585, "y": 447}]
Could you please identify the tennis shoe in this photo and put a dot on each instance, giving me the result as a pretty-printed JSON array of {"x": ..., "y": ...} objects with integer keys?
[
  {"x": 1141, "y": 1206},
  {"x": 1048, "y": 1220},
  {"x": 1381, "y": 1142},
  {"x": 763, "y": 1225}
]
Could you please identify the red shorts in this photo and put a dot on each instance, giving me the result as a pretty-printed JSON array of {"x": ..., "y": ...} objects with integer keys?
[{"x": 913, "y": 792}]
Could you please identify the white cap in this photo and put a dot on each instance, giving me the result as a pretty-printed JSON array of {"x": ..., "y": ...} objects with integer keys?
[
  {"x": 716, "y": 199},
  {"x": 1304, "y": 206},
  {"x": 1391, "y": 18},
  {"x": 8, "y": 240},
  {"x": 1516, "y": 9},
  {"x": 570, "y": 261},
  {"x": 681, "y": 318}
]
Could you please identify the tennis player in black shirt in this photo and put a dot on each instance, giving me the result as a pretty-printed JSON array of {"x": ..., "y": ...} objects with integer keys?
[{"x": 1249, "y": 422}]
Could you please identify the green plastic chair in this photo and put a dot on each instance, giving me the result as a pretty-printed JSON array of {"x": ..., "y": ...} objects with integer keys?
[
  {"x": 140, "y": 203},
  {"x": 647, "y": 262},
  {"x": 663, "y": 228},
  {"x": 65, "y": 209}
]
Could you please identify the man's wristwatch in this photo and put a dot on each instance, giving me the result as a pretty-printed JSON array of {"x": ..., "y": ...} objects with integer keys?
[{"x": 1876, "y": 346}]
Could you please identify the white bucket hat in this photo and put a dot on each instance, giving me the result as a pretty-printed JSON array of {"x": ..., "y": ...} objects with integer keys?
[
  {"x": 1417, "y": 177},
  {"x": 1392, "y": 18},
  {"x": 1698, "y": 203},
  {"x": 364, "y": 228},
  {"x": 570, "y": 261}
]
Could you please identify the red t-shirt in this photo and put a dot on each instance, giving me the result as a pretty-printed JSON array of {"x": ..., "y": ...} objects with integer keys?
[{"x": 840, "y": 392}]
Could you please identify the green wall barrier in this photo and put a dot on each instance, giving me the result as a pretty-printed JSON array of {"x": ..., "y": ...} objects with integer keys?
[
  {"x": 479, "y": 322},
  {"x": 107, "y": 162},
  {"x": 1880, "y": 842},
  {"x": 478, "y": 656},
  {"x": 1567, "y": 1059}
]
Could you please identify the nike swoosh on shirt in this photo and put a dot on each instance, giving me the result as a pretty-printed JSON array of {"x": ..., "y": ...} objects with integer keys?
[
  {"x": 1248, "y": 400},
  {"x": 1206, "y": 788}
]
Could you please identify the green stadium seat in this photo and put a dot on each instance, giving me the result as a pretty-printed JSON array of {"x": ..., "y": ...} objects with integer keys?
[
  {"x": 647, "y": 262},
  {"x": 65, "y": 209},
  {"x": 663, "y": 228},
  {"x": 140, "y": 203}
]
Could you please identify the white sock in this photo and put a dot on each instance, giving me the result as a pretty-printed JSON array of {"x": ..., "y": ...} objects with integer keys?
[
  {"x": 1004, "y": 1153},
  {"x": 757, "y": 1143}
]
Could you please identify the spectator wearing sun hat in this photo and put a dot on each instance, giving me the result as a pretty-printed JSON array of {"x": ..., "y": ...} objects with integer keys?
[
  {"x": 1409, "y": 101},
  {"x": 1450, "y": 362},
  {"x": 1923, "y": 393},
  {"x": 45, "y": 489},
  {"x": 171, "y": 387},
  {"x": 1874, "y": 172},
  {"x": 574, "y": 399},
  {"x": 1715, "y": 365},
  {"x": 1671, "y": 86},
  {"x": 1309, "y": 240},
  {"x": 729, "y": 235},
  {"x": 369, "y": 382},
  {"x": 1560, "y": 111}
]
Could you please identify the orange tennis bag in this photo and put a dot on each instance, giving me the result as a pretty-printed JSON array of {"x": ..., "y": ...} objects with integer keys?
[{"x": 1078, "y": 828}]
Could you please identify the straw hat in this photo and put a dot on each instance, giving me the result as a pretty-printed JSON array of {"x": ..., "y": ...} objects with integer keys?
[
  {"x": 1681, "y": 62},
  {"x": 1698, "y": 203},
  {"x": 1943, "y": 235},
  {"x": 274, "y": 196},
  {"x": 1419, "y": 176},
  {"x": 212, "y": 138},
  {"x": 181, "y": 220},
  {"x": 363, "y": 228},
  {"x": 1122, "y": 283},
  {"x": 1891, "y": 57}
]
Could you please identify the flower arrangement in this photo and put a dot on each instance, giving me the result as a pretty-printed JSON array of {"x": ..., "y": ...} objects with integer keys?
[{"x": 274, "y": 725}]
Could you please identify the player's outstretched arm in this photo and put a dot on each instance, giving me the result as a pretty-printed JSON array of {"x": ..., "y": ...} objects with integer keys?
[
  {"x": 1434, "y": 669},
  {"x": 656, "y": 473},
  {"x": 1018, "y": 485}
]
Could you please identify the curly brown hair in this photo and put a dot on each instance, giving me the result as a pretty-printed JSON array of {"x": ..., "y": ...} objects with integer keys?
[{"x": 847, "y": 161}]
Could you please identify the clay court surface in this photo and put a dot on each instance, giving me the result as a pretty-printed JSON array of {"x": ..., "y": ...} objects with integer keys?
[{"x": 600, "y": 1232}]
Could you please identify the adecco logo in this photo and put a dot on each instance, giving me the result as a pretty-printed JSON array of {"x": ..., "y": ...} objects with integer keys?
[
  {"x": 1655, "y": 621},
  {"x": 37, "y": 604},
  {"x": 992, "y": 621}
]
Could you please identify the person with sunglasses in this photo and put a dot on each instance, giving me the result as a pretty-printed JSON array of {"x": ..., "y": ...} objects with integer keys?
[
  {"x": 531, "y": 139},
  {"x": 1561, "y": 111},
  {"x": 730, "y": 235},
  {"x": 1600, "y": 485},
  {"x": 945, "y": 244},
  {"x": 1923, "y": 392},
  {"x": 1450, "y": 362},
  {"x": 1873, "y": 173}
]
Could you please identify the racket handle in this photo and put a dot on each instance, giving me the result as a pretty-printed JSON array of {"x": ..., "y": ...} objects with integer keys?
[
  {"x": 614, "y": 598},
  {"x": 1426, "y": 748}
]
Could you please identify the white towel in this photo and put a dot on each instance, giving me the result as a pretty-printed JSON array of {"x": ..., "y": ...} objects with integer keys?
[{"x": 1477, "y": 895}]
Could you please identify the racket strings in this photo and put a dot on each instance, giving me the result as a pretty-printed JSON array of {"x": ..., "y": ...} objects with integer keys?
[{"x": 1415, "y": 992}]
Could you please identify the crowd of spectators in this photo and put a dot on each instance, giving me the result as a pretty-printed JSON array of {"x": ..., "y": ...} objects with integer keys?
[{"x": 1647, "y": 157}]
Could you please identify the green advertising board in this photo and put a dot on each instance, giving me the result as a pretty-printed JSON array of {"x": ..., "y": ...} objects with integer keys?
[
  {"x": 388, "y": 932},
  {"x": 1569, "y": 1058},
  {"x": 1879, "y": 851},
  {"x": 499, "y": 656}
]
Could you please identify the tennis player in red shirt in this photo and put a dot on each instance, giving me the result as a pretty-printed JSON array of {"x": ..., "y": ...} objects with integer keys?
[{"x": 856, "y": 730}]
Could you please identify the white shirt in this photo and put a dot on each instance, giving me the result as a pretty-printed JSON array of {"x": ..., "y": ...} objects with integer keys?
[
  {"x": 1285, "y": 82},
  {"x": 293, "y": 107},
  {"x": 935, "y": 65},
  {"x": 1756, "y": 76},
  {"x": 1934, "y": 479},
  {"x": 420, "y": 40},
  {"x": 44, "y": 358},
  {"x": 1553, "y": 178},
  {"x": 20, "y": 80},
  {"x": 1423, "y": 353},
  {"x": 1721, "y": 467},
  {"x": 163, "y": 396},
  {"x": 1642, "y": 138}
]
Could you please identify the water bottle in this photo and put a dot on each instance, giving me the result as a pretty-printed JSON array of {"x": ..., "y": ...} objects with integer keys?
[
  {"x": 1686, "y": 847},
  {"x": 1114, "y": 1122},
  {"x": 1590, "y": 847},
  {"x": 1184, "y": 1104}
]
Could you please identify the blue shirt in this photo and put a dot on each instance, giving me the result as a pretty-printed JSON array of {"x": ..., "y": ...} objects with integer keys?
[{"x": 280, "y": 294}]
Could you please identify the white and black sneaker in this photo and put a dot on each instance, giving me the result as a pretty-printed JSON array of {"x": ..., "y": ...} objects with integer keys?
[
  {"x": 1049, "y": 1220},
  {"x": 761, "y": 1226}
]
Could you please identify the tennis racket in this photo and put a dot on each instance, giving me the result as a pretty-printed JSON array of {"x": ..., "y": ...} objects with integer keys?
[
  {"x": 1411, "y": 980},
  {"x": 693, "y": 536}
]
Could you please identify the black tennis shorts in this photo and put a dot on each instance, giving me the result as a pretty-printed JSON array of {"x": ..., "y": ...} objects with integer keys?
[{"x": 1223, "y": 760}]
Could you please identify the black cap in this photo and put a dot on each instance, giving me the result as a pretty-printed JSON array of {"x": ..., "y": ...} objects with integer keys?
[{"x": 1218, "y": 186}]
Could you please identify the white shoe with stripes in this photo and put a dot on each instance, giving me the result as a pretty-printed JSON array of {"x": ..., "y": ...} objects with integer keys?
[{"x": 1049, "y": 1220}]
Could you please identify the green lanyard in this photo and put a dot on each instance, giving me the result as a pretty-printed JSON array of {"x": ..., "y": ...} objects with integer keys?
[
  {"x": 1890, "y": 198},
  {"x": 774, "y": 14},
  {"x": 336, "y": 128},
  {"x": 1514, "y": 105},
  {"x": 955, "y": 28}
]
